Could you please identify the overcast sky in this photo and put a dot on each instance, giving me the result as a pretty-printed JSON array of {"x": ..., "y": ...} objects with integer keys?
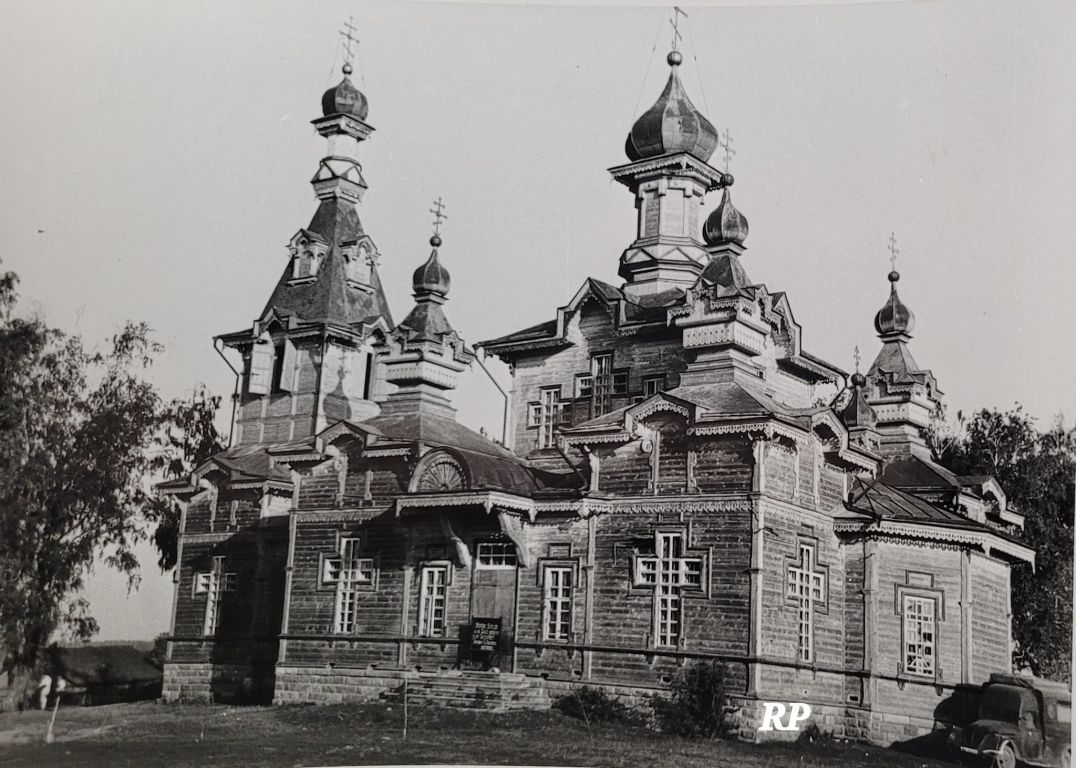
[{"x": 157, "y": 158}]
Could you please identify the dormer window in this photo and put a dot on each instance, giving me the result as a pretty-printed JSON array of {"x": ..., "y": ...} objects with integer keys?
[
  {"x": 359, "y": 258},
  {"x": 307, "y": 251}
]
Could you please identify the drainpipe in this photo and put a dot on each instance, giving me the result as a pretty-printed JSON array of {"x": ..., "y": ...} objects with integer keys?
[
  {"x": 505, "y": 395},
  {"x": 219, "y": 347}
]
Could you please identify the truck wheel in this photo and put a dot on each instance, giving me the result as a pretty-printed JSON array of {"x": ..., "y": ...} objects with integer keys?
[{"x": 1006, "y": 757}]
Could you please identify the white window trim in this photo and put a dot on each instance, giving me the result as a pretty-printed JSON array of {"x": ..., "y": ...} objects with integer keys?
[
  {"x": 551, "y": 623},
  {"x": 905, "y": 625},
  {"x": 425, "y": 601}
]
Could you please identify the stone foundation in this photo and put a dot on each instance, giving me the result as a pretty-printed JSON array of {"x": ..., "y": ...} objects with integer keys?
[
  {"x": 338, "y": 685},
  {"x": 335, "y": 685},
  {"x": 205, "y": 682}
]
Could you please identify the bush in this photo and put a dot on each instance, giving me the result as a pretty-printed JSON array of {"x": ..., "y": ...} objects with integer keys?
[
  {"x": 594, "y": 705},
  {"x": 697, "y": 704},
  {"x": 815, "y": 735}
]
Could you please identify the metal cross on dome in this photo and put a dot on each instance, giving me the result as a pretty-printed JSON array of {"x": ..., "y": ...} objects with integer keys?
[
  {"x": 439, "y": 215},
  {"x": 675, "y": 21},
  {"x": 893, "y": 250},
  {"x": 349, "y": 34},
  {"x": 856, "y": 354},
  {"x": 725, "y": 142}
]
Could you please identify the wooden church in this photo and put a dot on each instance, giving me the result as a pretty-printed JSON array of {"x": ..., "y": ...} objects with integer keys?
[{"x": 682, "y": 482}]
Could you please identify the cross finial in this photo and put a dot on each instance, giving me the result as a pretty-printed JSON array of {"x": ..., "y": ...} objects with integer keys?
[
  {"x": 725, "y": 142},
  {"x": 856, "y": 355},
  {"x": 349, "y": 34},
  {"x": 893, "y": 250},
  {"x": 675, "y": 21},
  {"x": 439, "y": 215}
]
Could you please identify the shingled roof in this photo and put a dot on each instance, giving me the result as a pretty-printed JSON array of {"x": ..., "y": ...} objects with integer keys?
[{"x": 329, "y": 298}]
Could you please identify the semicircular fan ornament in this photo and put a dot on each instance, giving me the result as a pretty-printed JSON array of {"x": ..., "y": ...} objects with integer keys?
[{"x": 442, "y": 474}]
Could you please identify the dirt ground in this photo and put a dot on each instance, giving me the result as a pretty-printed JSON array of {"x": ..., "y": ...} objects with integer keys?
[{"x": 148, "y": 734}]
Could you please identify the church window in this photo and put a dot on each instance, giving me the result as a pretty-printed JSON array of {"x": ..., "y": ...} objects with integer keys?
[
  {"x": 284, "y": 366},
  {"x": 358, "y": 266},
  {"x": 349, "y": 573},
  {"x": 918, "y": 632},
  {"x": 496, "y": 554},
  {"x": 306, "y": 264},
  {"x": 260, "y": 373},
  {"x": 213, "y": 584},
  {"x": 601, "y": 384},
  {"x": 432, "y": 603},
  {"x": 557, "y": 596},
  {"x": 546, "y": 415},
  {"x": 670, "y": 572},
  {"x": 807, "y": 589}
]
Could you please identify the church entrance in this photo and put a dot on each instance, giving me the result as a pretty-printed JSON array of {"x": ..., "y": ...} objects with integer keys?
[{"x": 493, "y": 603}]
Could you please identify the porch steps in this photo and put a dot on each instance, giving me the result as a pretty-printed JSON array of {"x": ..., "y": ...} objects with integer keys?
[{"x": 456, "y": 689}]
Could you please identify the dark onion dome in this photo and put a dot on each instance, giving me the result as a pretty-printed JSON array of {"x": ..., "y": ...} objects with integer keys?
[
  {"x": 672, "y": 124},
  {"x": 894, "y": 318},
  {"x": 725, "y": 224},
  {"x": 431, "y": 277},
  {"x": 344, "y": 99}
]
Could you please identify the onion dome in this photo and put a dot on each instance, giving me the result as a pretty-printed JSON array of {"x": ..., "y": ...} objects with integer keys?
[
  {"x": 894, "y": 318},
  {"x": 345, "y": 99},
  {"x": 431, "y": 278},
  {"x": 672, "y": 124},
  {"x": 725, "y": 224}
]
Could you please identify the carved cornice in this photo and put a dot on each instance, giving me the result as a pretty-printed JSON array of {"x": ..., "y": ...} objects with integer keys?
[
  {"x": 654, "y": 504},
  {"x": 594, "y": 438},
  {"x": 487, "y": 499},
  {"x": 894, "y": 530}
]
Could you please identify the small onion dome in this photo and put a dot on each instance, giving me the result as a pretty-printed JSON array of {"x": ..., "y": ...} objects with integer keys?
[
  {"x": 344, "y": 99},
  {"x": 725, "y": 224},
  {"x": 894, "y": 318},
  {"x": 431, "y": 277},
  {"x": 672, "y": 124}
]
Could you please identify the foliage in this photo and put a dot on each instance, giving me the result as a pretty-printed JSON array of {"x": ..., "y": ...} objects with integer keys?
[
  {"x": 1035, "y": 468},
  {"x": 190, "y": 438},
  {"x": 813, "y": 734},
  {"x": 77, "y": 432},
  {"x": 594, "y": 705},
  {"x": 697, "y": 705}
]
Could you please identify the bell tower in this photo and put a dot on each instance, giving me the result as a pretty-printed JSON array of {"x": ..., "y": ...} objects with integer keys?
[
  {"x": 903, "y": 395},
  {"x": 307, "y": 360},
  {"x": 669, "y": 147}
]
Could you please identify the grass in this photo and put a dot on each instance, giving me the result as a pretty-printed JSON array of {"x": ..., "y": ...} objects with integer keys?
[{"x": 361, "y": 734}]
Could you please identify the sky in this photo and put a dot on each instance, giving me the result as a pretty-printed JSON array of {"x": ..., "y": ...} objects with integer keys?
[{"x": 157, "y": 158}]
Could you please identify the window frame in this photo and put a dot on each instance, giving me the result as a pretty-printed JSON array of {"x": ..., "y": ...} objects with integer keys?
[
  {"x": 553, "y": 629},
  {"x": 349, "y": 582},
  {"x": 905, "y": 619},
  {"x": 507, "y": 546},
  {"x": 426, "y": 623}
]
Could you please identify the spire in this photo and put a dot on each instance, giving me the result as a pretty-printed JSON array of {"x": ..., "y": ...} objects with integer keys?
[
  {"x": 857, "y": 414},
  {"x": 431, "y": 281},
  {"x": 894, "y": 319},
  {"x": 424, "y": 354},
  {"x": 669, "y": 146},
  {"x": 903, "y": 395},
  {"x": 309, "y": 351}
]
